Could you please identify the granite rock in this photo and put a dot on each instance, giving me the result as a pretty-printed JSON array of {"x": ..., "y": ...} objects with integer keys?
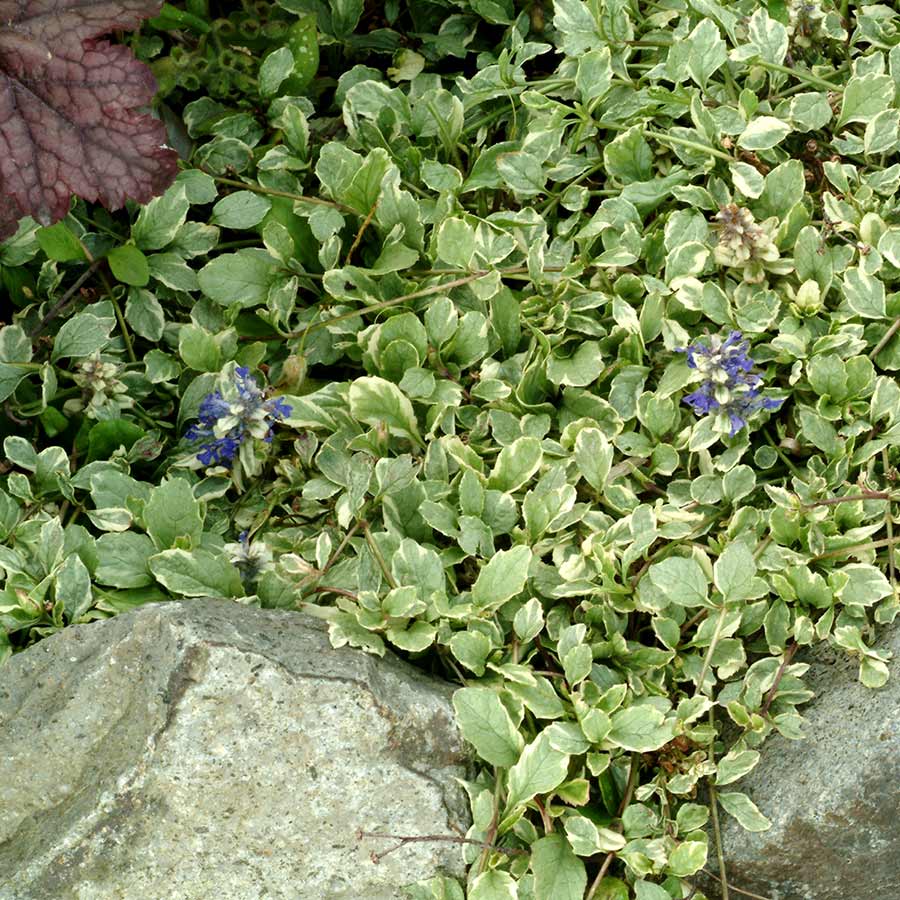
[
  {"x": 205, "y": 749},
  {"x": 834, "y": 798}
]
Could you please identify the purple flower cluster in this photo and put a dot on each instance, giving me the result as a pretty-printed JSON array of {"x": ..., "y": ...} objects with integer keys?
[
  {"x": 729, "y": 387},
  {"x": 229, "y": 416}
]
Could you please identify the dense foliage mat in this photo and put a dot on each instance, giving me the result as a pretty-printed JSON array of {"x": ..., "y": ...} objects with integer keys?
[{"x": 553, "y": 346}]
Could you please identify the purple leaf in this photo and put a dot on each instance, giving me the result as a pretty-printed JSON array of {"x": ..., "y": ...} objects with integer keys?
[{"x": 69, "y": 110}]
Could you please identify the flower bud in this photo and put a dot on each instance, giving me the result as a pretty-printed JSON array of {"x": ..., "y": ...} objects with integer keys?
[
  {"x": 293, "y": 374},
  {"x": 809, "y": 298}
]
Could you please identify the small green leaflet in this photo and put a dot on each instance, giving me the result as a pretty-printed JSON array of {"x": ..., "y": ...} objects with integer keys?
[
  {"x": 160, "y": 220},
  {"x": 578, "y": 370},
  {"x": 586, "y": 838},
  {"x": 196, "y": 574},
  {"x": 82, "y": 335},
  {"x": 122, "y": 560},
  {"x": 494, "y": 885},
  {"x": 708, "y": 52},
  {"x": 735, "y": 765},
  {"x": 486, "y": 725},
  {"x": 733, "y": 572},
  {"x": 529, "y": 620},
  {"x": 641, "y": 729},
  {"x": 865, "y": 293},
  {"x": 864, "y": 97},
  {"x": 172, "y": 513},
  {"x": 862, "y": 584},
  {"x": 376, "y": 401},
  {"x": 275, "y": 68},
  {"x": 243, "y": 277},
  {"x": 242, "y": 209},
  {"x": 647, "y": 890},
  {"x": 73, "y": 587},
  {"x": 502, "y": 578},
  {"x": 744, "y": 810},
  {"x": 516, "y": 463},
  {"x": 558, "y": 873},
  {"x": 679, "y": 580},
  {"x": 129, "y": 265},
  {"x": 593, "y": 456},
  {"x": 539, "y": 770},
  {"x": 594, "y": 75},
  {"x": 764, "y": 133}
]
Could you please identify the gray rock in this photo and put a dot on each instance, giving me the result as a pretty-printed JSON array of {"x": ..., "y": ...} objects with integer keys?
[
  {"x": 834, "y": 798},
  {"x": 211, "y": 751}
]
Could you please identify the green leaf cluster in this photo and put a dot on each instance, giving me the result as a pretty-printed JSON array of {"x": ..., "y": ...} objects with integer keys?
[{"x": 468, "y": 243}]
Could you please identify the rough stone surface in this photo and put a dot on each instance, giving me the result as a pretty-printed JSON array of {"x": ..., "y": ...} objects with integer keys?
[
  {"x": 834, "y": 798},
  {"x": 210, "y": 751}
]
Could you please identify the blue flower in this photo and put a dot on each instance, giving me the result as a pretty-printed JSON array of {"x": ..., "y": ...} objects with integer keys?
[
  {"x": 217, "y": 451},
  {"x": 230, "y": 416},
  {"x": 212, "y": 407},
  {"x": 251, "y": 559},
  {"x": 729, "y": 386}
]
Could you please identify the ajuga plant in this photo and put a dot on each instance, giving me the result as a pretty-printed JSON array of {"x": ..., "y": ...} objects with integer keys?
[
  {"x": 551, "y": 346},
  {"x": 70, "y": 120}
]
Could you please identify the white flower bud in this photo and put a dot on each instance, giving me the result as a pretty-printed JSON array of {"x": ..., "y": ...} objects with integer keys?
[{"x": 809, "y": 298}]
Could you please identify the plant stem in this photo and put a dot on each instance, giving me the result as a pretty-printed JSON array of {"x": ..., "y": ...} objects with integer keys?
[
  {"x": 690, "y": 145},
  {"x": 63, "y": 301},
  {"x": 801, "y": 75},
  {"x": 325, "y": 589},
  {"x": 785, "y": 662},
  {"x": 889, "y": 527},
  {"x": 271, "y": 192},
  {"x": 626, "y": 799},
  {"x": 895, "y": 327},
  {"x": 149, "y": 420},
  {"x": 796, "y": 88},
  {"x": 378, "y": 557},
  {"x": 359, "y": 234},
  {"x": 126, "y": 337},
  {"x": 850, "y": 498},
  {"x": 546, "y": 821},
  {"x": 340, "y": 548},
  {"x": 551, "y": 203},
  {"x": 853, "y": 548},
  {"x": 714, "y": 812},
  {"x": 771, "y": 441},
  {"x": 492, "y": 828},
  {"x": 707, "y": 661},
  {"x": 396, "y": 301},
  {"x": 325, "y": 613},
  {"x": 419, "y": 838},
  {"x": 736, "y": 890}
]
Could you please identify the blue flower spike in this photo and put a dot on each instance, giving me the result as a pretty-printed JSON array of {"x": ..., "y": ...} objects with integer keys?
[
  {"x": 251, "y": 558},
  {"x": 729, "y": 386},
  {"x": 230, "y": 416}
]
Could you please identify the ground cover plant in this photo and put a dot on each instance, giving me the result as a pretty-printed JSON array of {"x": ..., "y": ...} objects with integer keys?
[{"x": 550, "y": 345}]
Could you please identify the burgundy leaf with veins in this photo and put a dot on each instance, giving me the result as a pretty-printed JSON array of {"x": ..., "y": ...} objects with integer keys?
[{"x": 69, "y": 110}]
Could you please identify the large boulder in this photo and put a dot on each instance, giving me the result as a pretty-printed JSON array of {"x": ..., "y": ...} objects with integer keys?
[
  {"x": 834, "y": 798},
  {"x": 210, "y": 751}
]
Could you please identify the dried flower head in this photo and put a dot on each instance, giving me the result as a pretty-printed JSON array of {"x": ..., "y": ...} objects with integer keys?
[
  {"x": 741, "y": 240},
  {"x": 805, "y": 18},
  {"x": 105, "y": 396}
]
